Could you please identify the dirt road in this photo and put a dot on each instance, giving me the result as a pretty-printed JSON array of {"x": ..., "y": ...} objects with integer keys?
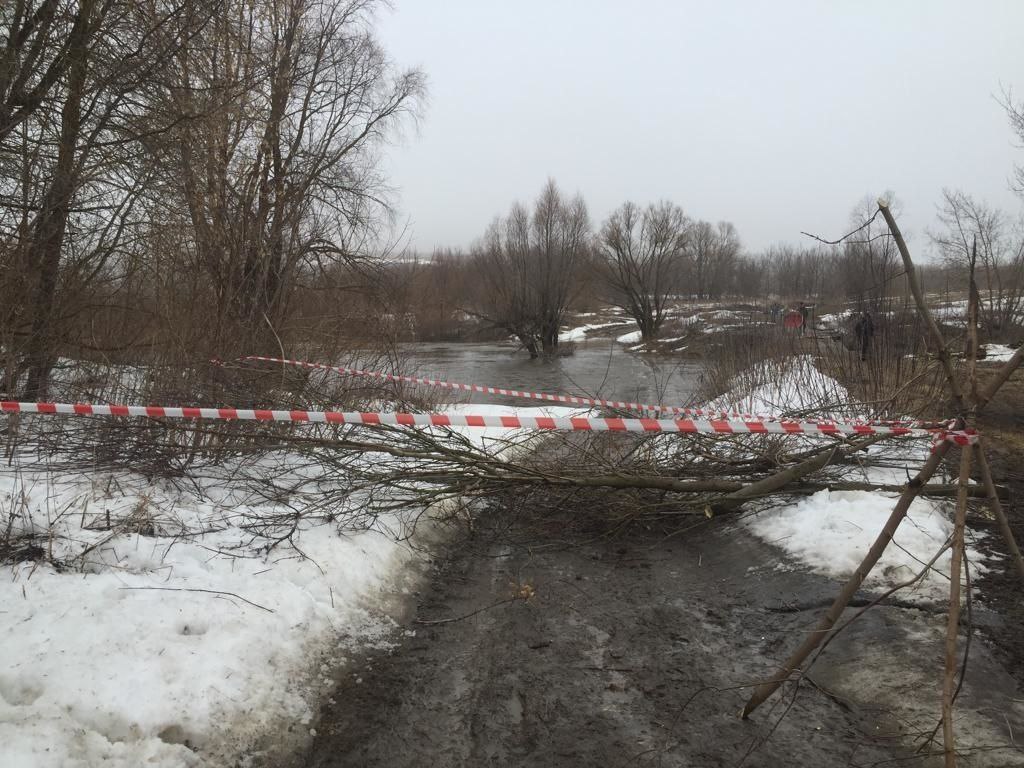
[{"x": 632, "y": 651}]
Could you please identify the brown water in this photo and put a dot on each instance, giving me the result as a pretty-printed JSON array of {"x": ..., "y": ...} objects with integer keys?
[{"x": 600, "y": 368}]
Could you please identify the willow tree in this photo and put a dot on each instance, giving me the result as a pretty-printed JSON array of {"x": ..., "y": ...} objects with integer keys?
[
  {"x": 528, "y": 268},
  {"x": 641, "y": 257}
]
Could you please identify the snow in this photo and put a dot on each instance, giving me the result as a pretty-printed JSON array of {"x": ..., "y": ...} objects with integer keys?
[
  {"x": 831, "y": 532},
  {"x": 580, "y": 333},
  {"x": 83, "y": 644},
  {"x": 998, "y": 353},
  {"x": 836, "y": 319},
  {"x": 109, "y": 662},
  {"x": 629, "y": 338},
  {"x": 778, "y": 387},
  {"x": 118, "y": 657}
]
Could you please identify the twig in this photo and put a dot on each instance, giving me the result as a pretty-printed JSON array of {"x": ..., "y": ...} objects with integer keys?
[
  {"x": 207, "y": 591},
  {"x": 862, "y": 227},
  {"x": 434, "y": 622}
]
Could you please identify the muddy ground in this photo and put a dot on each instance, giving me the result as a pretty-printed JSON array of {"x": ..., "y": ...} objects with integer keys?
[
  {"x": 1002, "y": 424},
  {"x": 637, "y": 650}
]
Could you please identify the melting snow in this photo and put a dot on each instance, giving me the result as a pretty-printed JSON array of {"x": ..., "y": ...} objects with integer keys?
[
  {"x": 831, "y": 532},
  {"x": 122, "y": 659},
  {"x": 998, "y": 353}
]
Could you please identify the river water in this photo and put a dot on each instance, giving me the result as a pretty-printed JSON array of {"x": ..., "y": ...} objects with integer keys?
[{"x": 598, "y": 368}]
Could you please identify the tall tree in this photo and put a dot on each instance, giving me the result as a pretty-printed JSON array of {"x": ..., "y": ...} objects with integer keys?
[
  {"x": 713, "y": 249},
  {"x": 288, "y": 103},
  {"x": 869, "y": 261},
  {"x": 73, "y": 102},
  {"x": 528, "y": 265},
  {"x": 1000, "y": 255},
  {"x": 641, "y": 254}
]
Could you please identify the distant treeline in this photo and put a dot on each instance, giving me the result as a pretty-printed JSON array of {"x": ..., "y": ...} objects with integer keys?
[{"x": 532, "y": 267}]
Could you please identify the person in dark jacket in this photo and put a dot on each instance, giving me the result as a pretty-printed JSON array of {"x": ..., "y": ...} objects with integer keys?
[{"x": 864, "y": 330}]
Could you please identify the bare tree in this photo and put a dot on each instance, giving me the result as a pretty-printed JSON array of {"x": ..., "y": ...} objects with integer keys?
[
  {"x": 284, "y": 106},
  {"x": 72, "y": 76},
  {"x": 713, "y": 250},
  {"x": 1000, "y": 250},
  {"x": 527, "y": 266},
  {"x": 641, "y": 254},
  {"x": 35, "y": 54},
  {"x": 1015, "y": 111},
  {"x": 869, "y": 261}
]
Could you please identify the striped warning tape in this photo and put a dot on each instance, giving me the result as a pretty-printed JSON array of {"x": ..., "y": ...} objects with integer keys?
[
  {"x": 487, "y": 390},
  {"x": 571, "y": 423},
  {"x": 705, "y": 413}
]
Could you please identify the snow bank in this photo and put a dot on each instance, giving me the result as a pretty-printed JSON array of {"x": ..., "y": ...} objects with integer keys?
[
  {"x": 776, "y": 387},
  {"x": 629, "y": 338},
  {"x": 831, "y": 532},
  {"x": 174, "y": 635},
  {"x": 580, "y": 333},
  {"x": 998, "y": 353},
  {"x": 126, "y": 660}
]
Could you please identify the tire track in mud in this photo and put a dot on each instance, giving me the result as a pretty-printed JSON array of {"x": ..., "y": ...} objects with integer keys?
[{"x": 629, "y": 653}]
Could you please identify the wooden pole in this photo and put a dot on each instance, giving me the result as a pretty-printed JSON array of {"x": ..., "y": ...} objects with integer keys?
[
  {"x": 1001, "y": 378},
  {"x": 915, "y": 288},
  {"x": 953, "y": 617},
  {"x": 831, "y": 616}
]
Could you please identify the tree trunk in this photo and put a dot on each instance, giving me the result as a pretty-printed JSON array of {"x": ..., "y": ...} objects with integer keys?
[{"x": 51, "y": 225}]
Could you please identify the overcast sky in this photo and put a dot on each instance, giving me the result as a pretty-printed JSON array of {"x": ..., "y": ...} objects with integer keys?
[{"x": 778, "y": 116}]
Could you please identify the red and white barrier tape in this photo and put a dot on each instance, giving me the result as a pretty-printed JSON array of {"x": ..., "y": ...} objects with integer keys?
[
  {"x": 574, "y": 423},
  {"x": 961, "y": 437},
  {"x": 566, "y": 399},
  {"x": 550, "y": 398}
]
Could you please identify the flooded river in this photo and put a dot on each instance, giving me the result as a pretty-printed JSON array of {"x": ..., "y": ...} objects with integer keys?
[{"x": 599, "y": 368}]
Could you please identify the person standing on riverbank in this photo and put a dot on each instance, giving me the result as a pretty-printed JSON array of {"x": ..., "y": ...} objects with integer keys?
[{"x": 864, "y": 330}]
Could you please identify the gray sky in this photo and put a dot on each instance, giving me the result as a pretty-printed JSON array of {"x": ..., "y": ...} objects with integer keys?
[{"x": 778, "y": 116}]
